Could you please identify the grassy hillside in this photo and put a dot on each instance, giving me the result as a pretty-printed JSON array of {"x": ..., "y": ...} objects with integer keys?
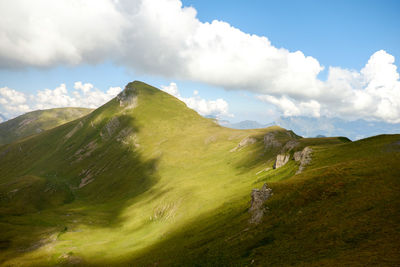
[
  {"x": 143, "y": 180},
  {"x": 37, "y": 121}
]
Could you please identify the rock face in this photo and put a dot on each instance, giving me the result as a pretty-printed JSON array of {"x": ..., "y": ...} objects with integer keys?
[
  {"x": 128, "y": 98},
  {"x": 290, "y": 145},
  {"x": 270, "y": 141},
  {"x": 245, "y": 142},
  {"x": 281, "y": 160},
  {"x": 304, "y": 157},
  {"x": 258, "y": 198},
  {"x": 110, "y": 128}
]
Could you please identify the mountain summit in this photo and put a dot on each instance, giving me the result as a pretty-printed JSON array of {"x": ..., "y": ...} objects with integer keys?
[{"x": 144, "y": 180}]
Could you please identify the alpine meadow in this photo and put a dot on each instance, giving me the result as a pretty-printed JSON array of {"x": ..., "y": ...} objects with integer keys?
[
  {"x": 145, "y": 180},
  {"x": 199, "y": 133}
]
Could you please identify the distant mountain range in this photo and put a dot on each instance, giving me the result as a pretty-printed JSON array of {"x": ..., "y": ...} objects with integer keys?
[{"x": 323, "y": 126}]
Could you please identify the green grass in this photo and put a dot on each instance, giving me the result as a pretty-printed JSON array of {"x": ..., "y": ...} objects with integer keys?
[
  {"x": 172, "y": 193},
  {"x": 37, "y": 121}
]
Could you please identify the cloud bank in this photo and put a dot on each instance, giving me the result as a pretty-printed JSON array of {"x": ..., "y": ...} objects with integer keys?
[
  {"x": 161, "y": 37},
  {"x": 217, "y": 108},
  {"x": 13, "y": 103}
]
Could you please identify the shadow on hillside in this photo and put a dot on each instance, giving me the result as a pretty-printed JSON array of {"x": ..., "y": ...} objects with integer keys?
[{"x": 110, "y": 162}]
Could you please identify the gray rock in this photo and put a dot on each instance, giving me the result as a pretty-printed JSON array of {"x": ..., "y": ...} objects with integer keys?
[
  {"x": 258, "y": 198},
  {"x": 304, "y": 157},
  {"x": 245, "y": 142},
  {"x": 128, "y": 98},
  {"x": 297, "y": 155},
  {"x": 290, "y": 145},
  {"x": 281, "y": 160},
  {"x": 110, "y": 128},
  {"x": 270, "y": 141}
]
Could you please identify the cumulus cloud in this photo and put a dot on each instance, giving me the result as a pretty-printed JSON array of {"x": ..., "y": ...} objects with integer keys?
[
  {"x": 14, "y": 103},
  {"x": 372, "y": 93},
  {"x": 161, "y": 37},
  {"x": 218, "y": 107}
]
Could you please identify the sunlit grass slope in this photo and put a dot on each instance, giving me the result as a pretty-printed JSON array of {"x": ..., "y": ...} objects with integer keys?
[
  {"x": 37, "y": 121},
  {"x": 144, "y": 180}
]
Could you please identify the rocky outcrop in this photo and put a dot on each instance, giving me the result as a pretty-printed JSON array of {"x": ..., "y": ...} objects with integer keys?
[
  {"x": 290, "y": 145},
  {"x": 86, "y": 151},
  {"x": 245, "y": 142},
  {"x": 304, "y": 157},
  {"x": 110, "y": 128},
  {"x": 270, "y": 141},
  {"x": 257, "y": 208},
  {"x": 281, "y": 160},
  {"x": 128, "y": 98}
]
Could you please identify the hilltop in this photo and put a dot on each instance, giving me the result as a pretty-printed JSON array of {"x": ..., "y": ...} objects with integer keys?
[
  {"x": 144, "y": 180},
  {"x": 37, "y": 121}
]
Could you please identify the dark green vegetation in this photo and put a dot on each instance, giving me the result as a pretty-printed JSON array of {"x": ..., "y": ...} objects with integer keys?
[
  {"x": 37, "y": 121},
  {"x": 143, "y": 180}
]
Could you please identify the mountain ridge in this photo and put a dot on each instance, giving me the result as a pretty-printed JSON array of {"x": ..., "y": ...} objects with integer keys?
[
  {"x": 37, "y": 121},
  {"x": 145, "y": 180}
]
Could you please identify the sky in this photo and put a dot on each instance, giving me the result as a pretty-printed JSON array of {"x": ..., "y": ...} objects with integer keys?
[{"x": 235, "y": 60}]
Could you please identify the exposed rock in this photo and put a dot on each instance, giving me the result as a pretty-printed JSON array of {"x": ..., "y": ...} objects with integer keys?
[
  {"x": 128, "y": 137},
  {"x": 86, "y": 180},
  {"x": 304, "y": 157},
  {"x": 290, "y": 145},
  {"x": 128, "y": 98},
  {"x": 86, "y": 151},
  {"x": 258, "y": 198},
  {"x": 110, "y": 128},
  {"x": 297, "y": 155},
  {"x": 270, "y": 141},
  {"x": 74, "y": 130},
  {"x": 281, "y": 160},
  {"x": 245, "y": 142}
]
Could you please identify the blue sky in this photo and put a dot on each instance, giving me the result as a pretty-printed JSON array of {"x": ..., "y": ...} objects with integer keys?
[{"x": 343, "y": 34}]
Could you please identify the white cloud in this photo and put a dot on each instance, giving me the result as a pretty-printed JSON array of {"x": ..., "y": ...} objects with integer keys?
[
  {"x": 218, "y": 107},
  {"x": 13, "y": 103},
  {"x": 161, "y": 37},
  {"x": 291, "y": 107},
  {"x": 372, "y": 93},
  {"x": 171, "y": 89}
]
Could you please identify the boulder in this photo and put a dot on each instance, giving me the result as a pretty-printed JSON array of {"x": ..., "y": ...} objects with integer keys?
[
  {"x": 281, "y": 160},
  {"x": 258, "y": 198}
]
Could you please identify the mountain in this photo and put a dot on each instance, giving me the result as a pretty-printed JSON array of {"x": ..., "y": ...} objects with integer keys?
[
  {"x": 37, "y": 121},
  {"x": 307, "y": 126},
  {"x": 144, "y": 180},
  {"x": 2, "y": 118}
]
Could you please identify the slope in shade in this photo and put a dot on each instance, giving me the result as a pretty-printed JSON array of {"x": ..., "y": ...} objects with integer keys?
[{"x": 148, "y": 181}]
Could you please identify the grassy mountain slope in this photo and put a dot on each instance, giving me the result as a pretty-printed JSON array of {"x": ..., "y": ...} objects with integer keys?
[
  {"x": 144, "y": 180},
  {"x": 37, "y": 121}
]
